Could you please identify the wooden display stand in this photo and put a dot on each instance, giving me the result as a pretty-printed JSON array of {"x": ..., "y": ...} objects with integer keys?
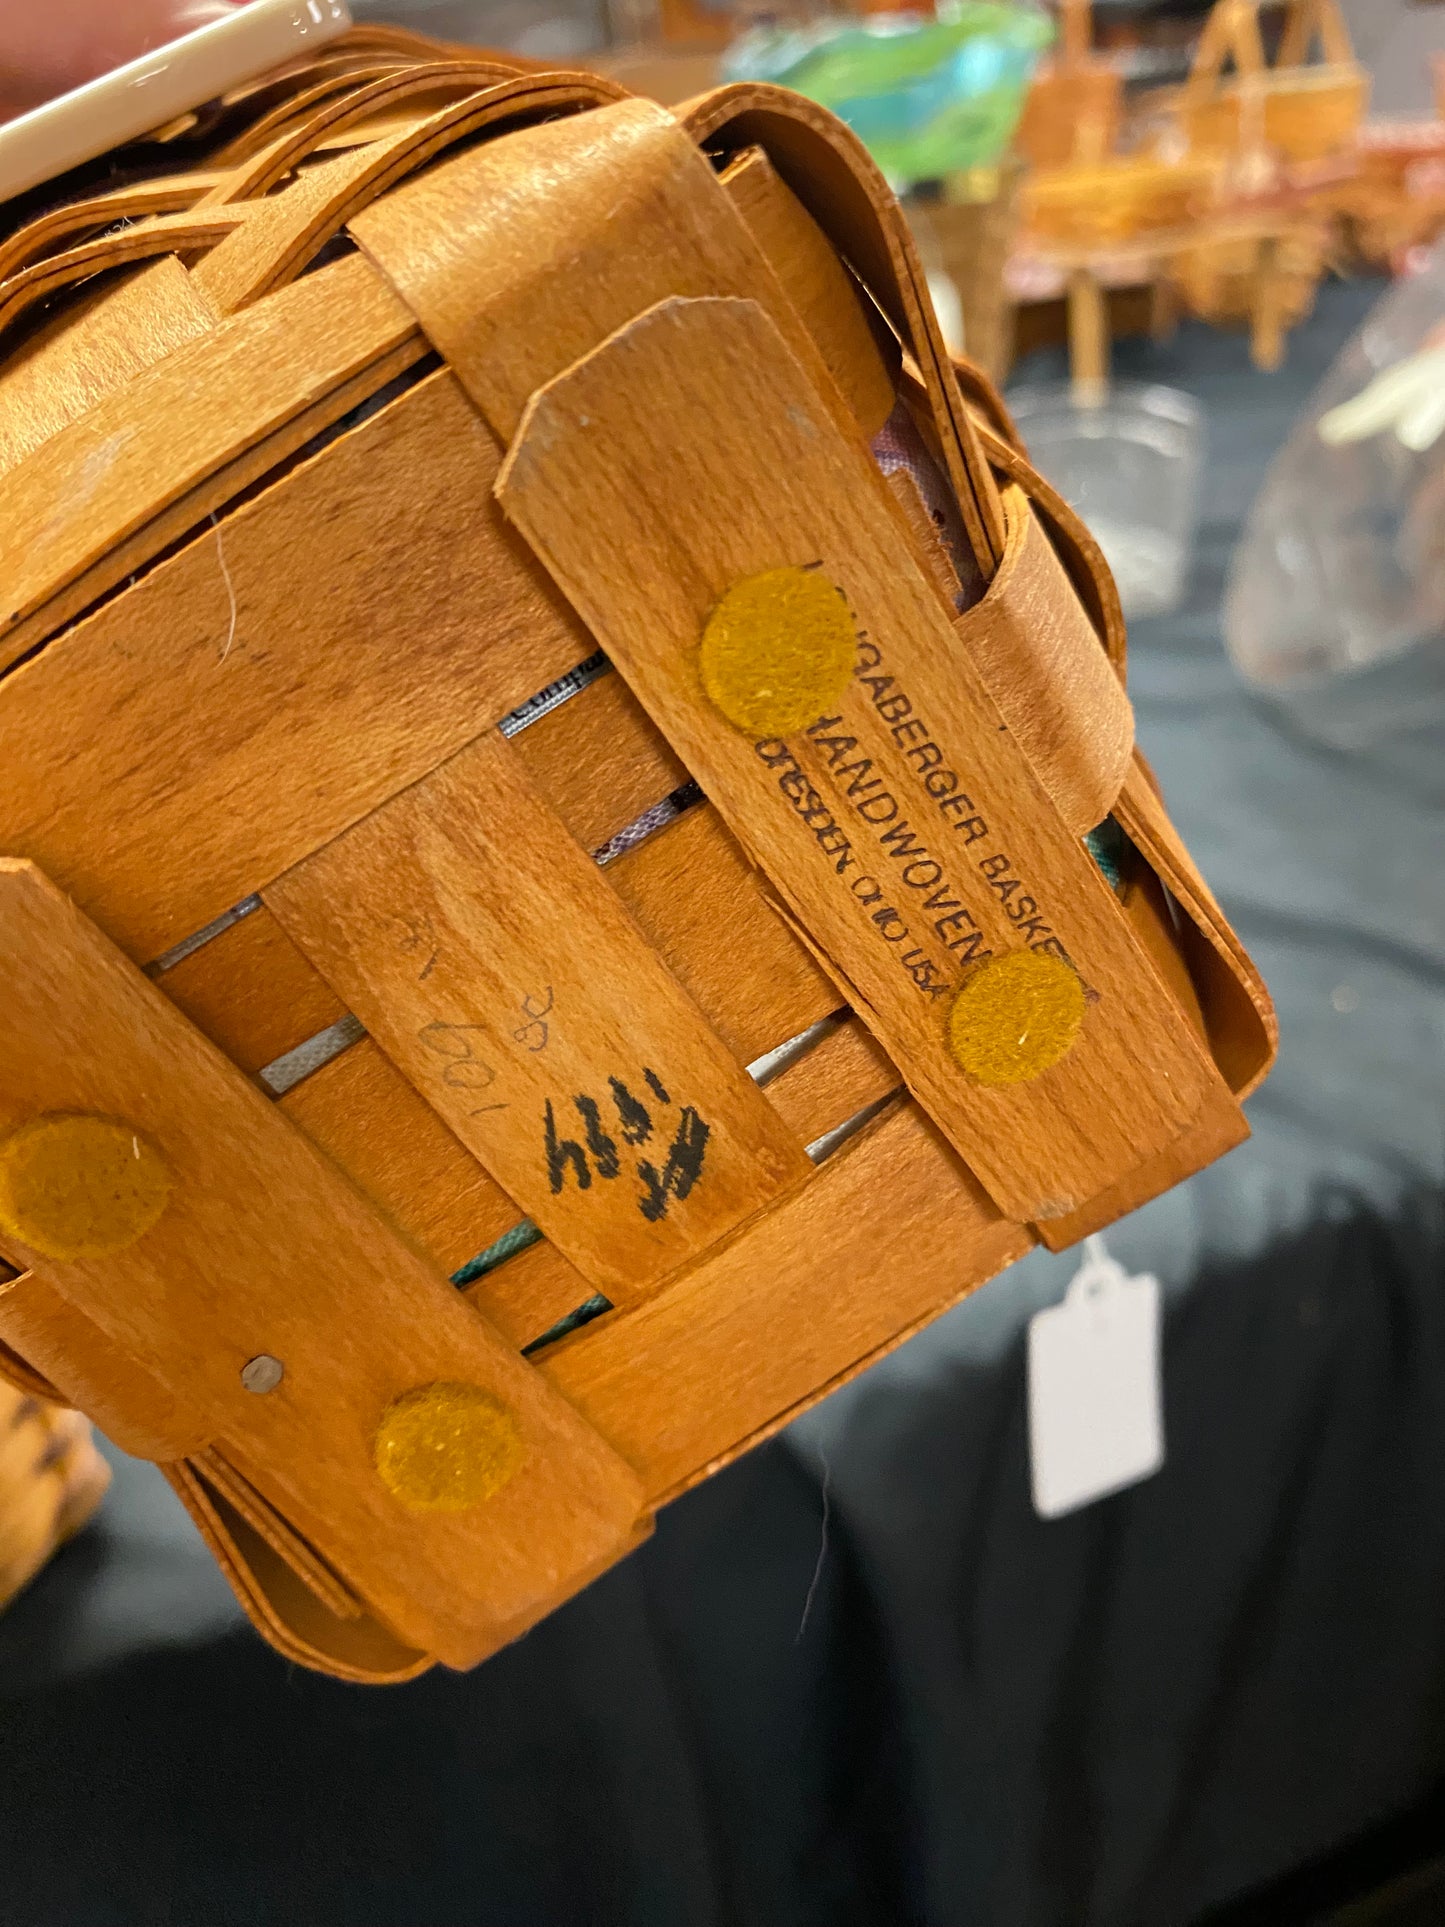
[{"x": 546, "y": 907}]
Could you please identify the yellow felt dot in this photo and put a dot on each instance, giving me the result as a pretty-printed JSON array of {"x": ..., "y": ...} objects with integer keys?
[
  {"x": 76, "y": 1187},
  {"x": 778, "y": 651},
  {"x": 1016, "y": 1017},
  {"x": 444, "y": 1448}
]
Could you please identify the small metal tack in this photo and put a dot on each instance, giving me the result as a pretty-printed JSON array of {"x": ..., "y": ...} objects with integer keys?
[{"x": 263, "y": 1374}]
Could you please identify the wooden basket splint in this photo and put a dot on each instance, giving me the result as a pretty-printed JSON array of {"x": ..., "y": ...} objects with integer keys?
[{"x": 538, "y": 939}]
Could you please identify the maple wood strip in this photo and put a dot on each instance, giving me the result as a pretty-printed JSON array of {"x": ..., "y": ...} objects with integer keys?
[
  {"x": 265, "y": 1520},
  {"x": 93, "y": 347},
  {"x": 817, "y": 284},
  {"x": 90, "y": 1371},
  {"x": 147, "y": 444},
  {"x": 839, "y": 1078},
  {"x": 1220, "y": 1127},
  {"x": 396, "y": 1150},
  {"x": 134, "y": 201},
  {"x": 357, "y": 664},
  {"x": 644, "y": 547},
  {"x": 22, "y": 1377},
  {"x": 530, "y": 1294},
  {"x": 1238, "y": 1013},
  {"x": 276, "y": 1600},
  {"x": 600, "y": 763},
  {"x": 263, "y": 1249},
  {"x": 252, "y": 992},
  {"x": 1053, "y": 685},
  {"x": 220, "y": 489},
  {"x": 302, "y": 217},
  {"x": 485, "y": 952},
  {"x": 888, "y": 1234},
  {"x": 161, "y": 234},
  {"x": 695, "y": 896},
  {"x": 599, "y": 760},
  {"x": 842, "y": 188},
  {"x": 521, "y": 255}
]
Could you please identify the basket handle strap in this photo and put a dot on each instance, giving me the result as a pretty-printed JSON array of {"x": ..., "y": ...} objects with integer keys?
[{"x": 836, "y": 179}]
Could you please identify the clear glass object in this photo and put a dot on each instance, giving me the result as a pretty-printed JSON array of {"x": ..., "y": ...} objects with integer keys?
[
  {"x": 1336, "y": 600},
  {"x": 1129, "y": 462}
]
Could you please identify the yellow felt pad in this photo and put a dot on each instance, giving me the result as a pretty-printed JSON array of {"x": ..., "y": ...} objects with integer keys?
[
  {"x": 75, "y": 1187},
  {"x": 445, "y": 1448},
  {"x": 778, "y": 650},
  {"x": 1016, "y": 1017}
]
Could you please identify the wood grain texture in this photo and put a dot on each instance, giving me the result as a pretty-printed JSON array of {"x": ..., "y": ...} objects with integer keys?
[
  {"x": 889, "y": 1234},
  {"x": 283, "y": 1609},
  {"x": 1053, "y": 685},
  {"x": 1084, "y": 561},
  {"x": 644, "y": 539},
  {"x": 211, "y": 498},
  {"x": 488, "y": 956},
  {"x": 599, "y": 760},
  {"x": 695, "y": 896},
  {"x": 264, "y": 1249},
  {"x": 160, "y": 234},
  {"x": 359, "y": 661},
  {"x": 841, "y": 1077},
  {"x": 836, "y": 179},
  {"x": 816, "y": 282},
  {"x": 521, "y": 255},
  {"x": 396, "y": 1150},
  {"x": 94, "y": 347},
  {"x": 21, "y": 1376},
  {"x": 1238, "y": 1012},
  {"x": 252, "y": 992},
  {"x": 134, "y": 201},
  {"x": 264, "y": 1519},
  {"x": 1219, "y": 1128},
  {"x": 97, "y": 1376},
  {"x": 292, "y": 225},
  {"x": 152, "y": 441}
]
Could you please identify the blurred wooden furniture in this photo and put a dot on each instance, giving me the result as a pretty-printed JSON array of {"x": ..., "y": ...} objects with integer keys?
[
  {"x": 1104, "y": 222},
  {"x": 966, "y": 234},
  {"x": 1395, "y": 198},
  {"x": 1074, "y": 108},
  {"x": 51, "y": 1481},
  {"x": 1296, "y": 111},
  {"x": 1285, "y": 135}
]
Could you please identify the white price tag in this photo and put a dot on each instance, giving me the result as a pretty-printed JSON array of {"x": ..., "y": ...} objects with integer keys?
[{"x": 1095, "y": 1405}]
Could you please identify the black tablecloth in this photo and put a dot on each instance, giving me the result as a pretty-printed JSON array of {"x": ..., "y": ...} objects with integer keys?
[{"x": 934, "y": 1708}]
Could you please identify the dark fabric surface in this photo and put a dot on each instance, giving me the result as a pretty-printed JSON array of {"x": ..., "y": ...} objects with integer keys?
[{"x": 957, "y": 1713}]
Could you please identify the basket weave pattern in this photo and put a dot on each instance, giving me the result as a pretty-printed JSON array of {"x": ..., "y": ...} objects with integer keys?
[{"x": 489, "y": 1044}]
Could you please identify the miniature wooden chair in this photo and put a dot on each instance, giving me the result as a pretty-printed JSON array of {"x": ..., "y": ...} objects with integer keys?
[{"x": 575, "y": 864}]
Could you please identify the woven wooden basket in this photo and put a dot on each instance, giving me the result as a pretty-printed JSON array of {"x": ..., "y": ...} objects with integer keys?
[
  {"x": 1297, "y": 110},
  {"x": 550, "y": 738}
]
